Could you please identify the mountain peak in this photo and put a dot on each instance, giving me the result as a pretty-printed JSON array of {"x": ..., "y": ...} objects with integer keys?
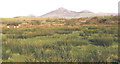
[
  {"x": 85, "y": 11},
  {"x": 61, "y": 9},
  {"x": 61, "y": 12}
]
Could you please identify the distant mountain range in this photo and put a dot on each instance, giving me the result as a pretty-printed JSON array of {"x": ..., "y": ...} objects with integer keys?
[{"x": 64, "y": 13}]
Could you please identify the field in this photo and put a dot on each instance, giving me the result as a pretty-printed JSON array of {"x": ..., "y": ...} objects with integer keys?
[{"x": 92, "y": 39}]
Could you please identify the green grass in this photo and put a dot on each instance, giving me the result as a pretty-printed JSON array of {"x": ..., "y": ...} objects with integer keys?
[
  {"x": 60, "y": 44},
  {"x": 73, "y": 47}
]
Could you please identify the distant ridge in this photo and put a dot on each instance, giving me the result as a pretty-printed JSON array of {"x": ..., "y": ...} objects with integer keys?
[{"x": 64, "y": 13}]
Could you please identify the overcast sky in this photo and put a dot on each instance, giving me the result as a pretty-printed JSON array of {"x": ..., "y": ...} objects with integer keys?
[{"x": 12, "y": 8}]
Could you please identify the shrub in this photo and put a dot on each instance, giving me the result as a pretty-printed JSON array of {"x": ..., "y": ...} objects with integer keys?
[
  {"x": 63, "y": 32},
  {"x": 74, "y": 42},
  {"x": 102, "y": 41}
]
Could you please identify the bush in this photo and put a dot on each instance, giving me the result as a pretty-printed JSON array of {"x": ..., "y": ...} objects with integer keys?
[
  {"x": 63, "y": 32},
  {"x": 102, "y": 41},
  {"x": 72, "y": 42}
]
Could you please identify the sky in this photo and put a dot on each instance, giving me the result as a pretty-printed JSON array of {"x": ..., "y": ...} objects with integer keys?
[{"x": 12, "y": 8}]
